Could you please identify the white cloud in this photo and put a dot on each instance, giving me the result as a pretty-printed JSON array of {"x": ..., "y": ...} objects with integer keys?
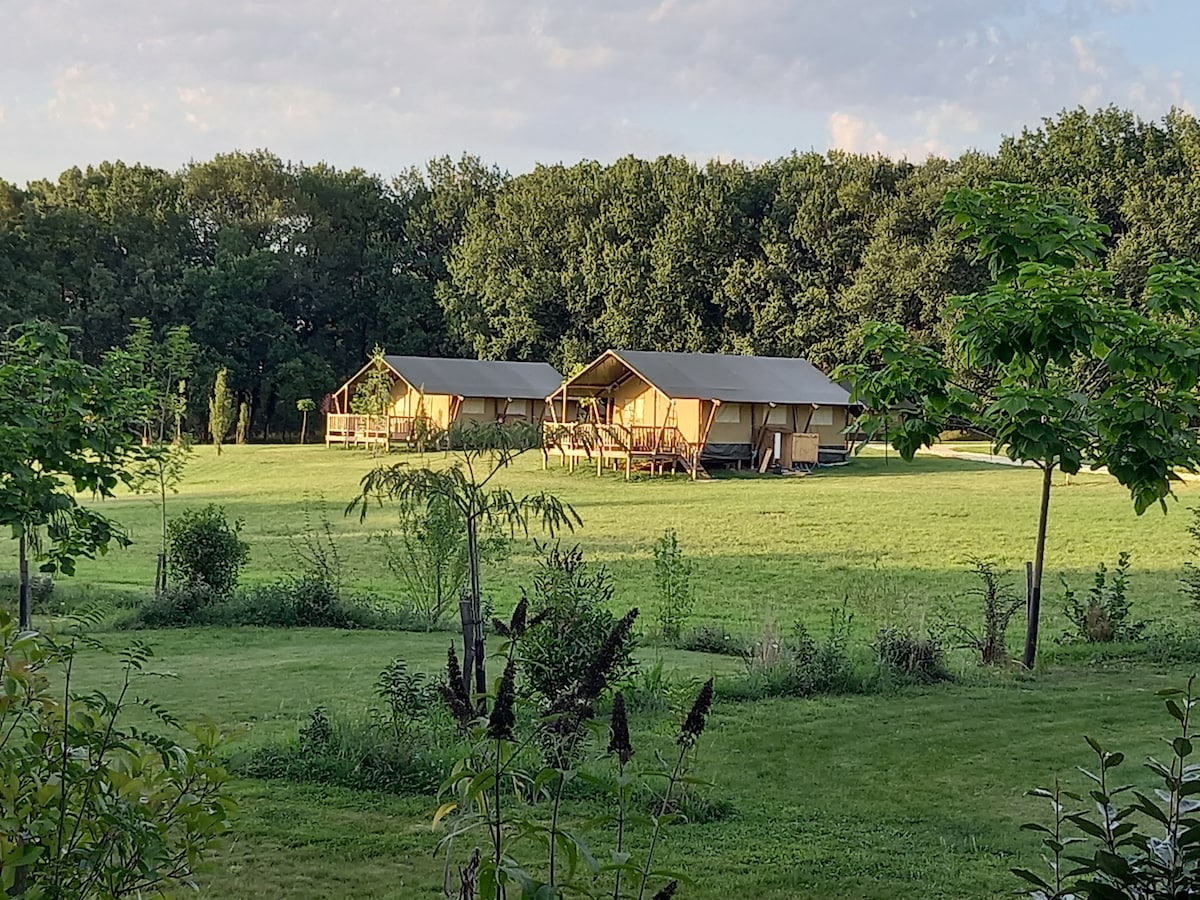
[{"x": 390, "y": 84}]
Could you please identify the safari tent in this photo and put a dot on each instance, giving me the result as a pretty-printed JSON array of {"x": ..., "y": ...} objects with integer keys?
[
  {"x": 442, "y": 392},
  {"x": 643, "y": 408}
]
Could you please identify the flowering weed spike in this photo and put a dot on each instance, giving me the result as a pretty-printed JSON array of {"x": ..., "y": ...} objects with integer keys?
[
  {"x": 503, "y": 719},
  {"x": 693, "y": 725},
  {"x": 618, "y": 741}
]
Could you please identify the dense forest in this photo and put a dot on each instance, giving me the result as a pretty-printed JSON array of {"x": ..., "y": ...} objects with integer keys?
[{"x": 289, "y": 274}]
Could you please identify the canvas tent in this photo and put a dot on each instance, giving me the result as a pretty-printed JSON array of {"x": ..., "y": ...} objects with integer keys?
[
  {"x": 442, "y": 392},
  {"x": 691, "y": 408}
]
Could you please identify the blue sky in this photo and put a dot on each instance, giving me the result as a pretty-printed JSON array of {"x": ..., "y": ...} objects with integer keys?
[{"x": 386, "y": 84}]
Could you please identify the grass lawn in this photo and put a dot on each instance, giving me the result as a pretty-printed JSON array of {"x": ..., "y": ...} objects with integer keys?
[
  {"x": 915, "y": 794},
  {"x": 892, "y": 538}
]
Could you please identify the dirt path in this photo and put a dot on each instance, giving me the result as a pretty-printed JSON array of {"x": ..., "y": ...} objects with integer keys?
[{"x": 948, "y": 453}]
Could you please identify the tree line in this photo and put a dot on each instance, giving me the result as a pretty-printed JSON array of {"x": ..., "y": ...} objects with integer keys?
[{"x": 288, "y": 275}]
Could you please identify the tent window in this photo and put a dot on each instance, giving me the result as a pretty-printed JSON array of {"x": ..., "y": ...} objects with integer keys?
[
  {"x": 730, "y": 413},
  {"x": 822, "y": 415},
  {"x": 472, "y": 406},
  {"x": 777, "y": 415},
  {"x": 516, "y": 408}
]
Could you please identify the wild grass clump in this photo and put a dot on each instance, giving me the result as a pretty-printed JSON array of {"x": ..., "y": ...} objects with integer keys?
[
  {"x": 798, "y": 665},
  {"x": 714, "y": 639},
  {"x": 904, "y": 655}
]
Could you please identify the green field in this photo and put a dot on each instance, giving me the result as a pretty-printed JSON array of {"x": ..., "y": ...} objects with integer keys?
[
  {"x": 890, "y": 538},
  {"x": 915, "y": 793}
]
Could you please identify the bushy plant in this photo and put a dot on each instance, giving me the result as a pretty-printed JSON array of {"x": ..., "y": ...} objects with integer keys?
[
  {"x": 1000, "y": 603},
  {"x": 1121, "y": 843},
  {"x": 95, "y": 807},
  {"x": 408, "y": 697},
  {"x": 205, "y": 551},
  {"x": 570, "y": 601},
  {"x": 1103, "y": 614},
  {"x": 798, "y": 665},
  {"x": 673, "y": 582},
  {"x": 903, "y": 654}
]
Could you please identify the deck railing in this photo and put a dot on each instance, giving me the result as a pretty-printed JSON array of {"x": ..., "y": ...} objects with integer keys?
[
  {"x": 350, "y": 428},
  {"x": 637, "y": 439}
]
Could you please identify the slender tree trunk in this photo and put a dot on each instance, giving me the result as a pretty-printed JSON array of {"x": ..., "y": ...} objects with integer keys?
[
  {"x": 24, "y": 601},
  {"x": 1039, "y": 559},
  {"x": 476, "y": 605},
  {"x": 304, "y": 427}
]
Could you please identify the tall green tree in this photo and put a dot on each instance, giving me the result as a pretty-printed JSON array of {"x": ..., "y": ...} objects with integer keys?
[
  {"x": 1048, "y": 361},
  {"x": 220, "y": 409},
  {"x": 64, "y": 432}
]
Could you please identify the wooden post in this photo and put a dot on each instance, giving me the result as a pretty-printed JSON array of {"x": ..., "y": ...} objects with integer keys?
[
  {"x": 467, "y": 616},
  {"x": 699, "y": 449},
  {"x": 24, "y": 606},
  {"x": 1028, "y": 588}
]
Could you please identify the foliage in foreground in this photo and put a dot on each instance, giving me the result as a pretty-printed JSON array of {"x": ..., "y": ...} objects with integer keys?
[
  {"x": 1124, "y": 843},
  {"x": 510, "y": 804},
  {"x": 570, "y": 600},
  {"x": 94, "y": 807}
]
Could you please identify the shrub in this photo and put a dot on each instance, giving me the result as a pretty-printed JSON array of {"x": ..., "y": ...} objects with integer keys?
[
  {"x": 1103, "y": 616},
  {"x": 1000, "y": 603},
  {"x": 673, "y": 580},
  {"x": 1123, "y": 844},
  {"x": 288, "y": 603},
  {"x": 177, "y": 606},
  {"x": 901, "y": 653},
  {"x": 713, "y": 639},
  {"x": 93, "y": 806},
  {"x": 204, "y": 550},
  {"x": 570, "y": 601},
  {"x": 798, "y": 666}
]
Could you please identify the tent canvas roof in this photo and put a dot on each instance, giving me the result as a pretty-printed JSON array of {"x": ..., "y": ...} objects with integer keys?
[
  {"x": 477, "y": 377},
  {"x": 717, "y": 376}
]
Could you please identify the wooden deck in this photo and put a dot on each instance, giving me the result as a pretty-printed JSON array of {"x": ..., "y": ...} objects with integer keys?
[
  {"x": 352, "y": 430},
  {"x": 621, "y": 446}
]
